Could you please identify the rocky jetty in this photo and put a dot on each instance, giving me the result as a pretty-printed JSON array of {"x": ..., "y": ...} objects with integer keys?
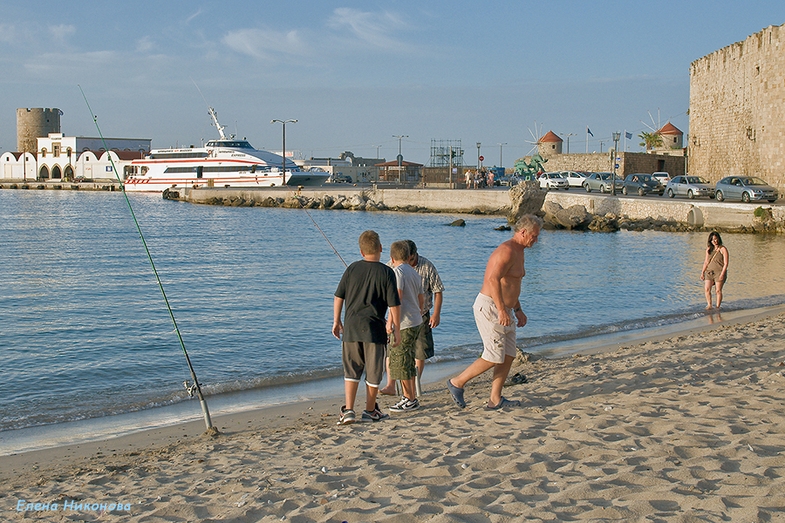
[{"x": 354, "y": 202}]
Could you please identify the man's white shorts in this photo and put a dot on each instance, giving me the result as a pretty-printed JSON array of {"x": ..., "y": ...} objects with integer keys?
[{"x": 498, "y": 341}]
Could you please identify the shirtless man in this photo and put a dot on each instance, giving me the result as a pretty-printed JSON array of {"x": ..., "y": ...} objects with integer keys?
[{"x": 494, "y": 309}]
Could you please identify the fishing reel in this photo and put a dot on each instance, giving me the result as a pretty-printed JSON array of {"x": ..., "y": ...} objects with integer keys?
[{"x": 191, "y": 389}]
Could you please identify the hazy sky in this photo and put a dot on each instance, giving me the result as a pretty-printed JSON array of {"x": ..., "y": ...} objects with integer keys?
[{"x": 357, "y": 73}]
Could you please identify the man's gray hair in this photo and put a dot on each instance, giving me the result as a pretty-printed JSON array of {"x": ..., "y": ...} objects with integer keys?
[{"x": 528, "y": 222}]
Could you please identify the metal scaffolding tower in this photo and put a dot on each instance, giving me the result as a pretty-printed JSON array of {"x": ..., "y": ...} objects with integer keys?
[{"x": 440, "y": 153}]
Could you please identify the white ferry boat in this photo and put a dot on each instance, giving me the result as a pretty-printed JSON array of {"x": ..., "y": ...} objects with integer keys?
[{"x": 226, "y": 162}]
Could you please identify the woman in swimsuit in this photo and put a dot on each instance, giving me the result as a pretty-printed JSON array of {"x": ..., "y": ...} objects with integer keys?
[{"x": 715, "y": 268}]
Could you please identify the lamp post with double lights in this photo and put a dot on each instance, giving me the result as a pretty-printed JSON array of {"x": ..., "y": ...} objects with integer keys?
[
  {"x": 283, "y": 147},
  {"x": 616, "y": 136}
]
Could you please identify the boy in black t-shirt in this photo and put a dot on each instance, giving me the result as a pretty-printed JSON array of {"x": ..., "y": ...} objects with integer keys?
[{"x": 369, "y": 288}]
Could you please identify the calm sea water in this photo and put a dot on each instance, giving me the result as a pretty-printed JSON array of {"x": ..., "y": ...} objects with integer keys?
[{"x": 85, "y": 332}]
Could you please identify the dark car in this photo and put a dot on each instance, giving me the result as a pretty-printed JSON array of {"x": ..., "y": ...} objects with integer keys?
[
  {"x": 642, "y": 184},
  {"x": 602, "y": 182},
  {"x": 744, "y": 188}
]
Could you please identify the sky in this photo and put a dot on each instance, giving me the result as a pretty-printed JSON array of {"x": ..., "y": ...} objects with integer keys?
[{"x": 357, "y": 75}]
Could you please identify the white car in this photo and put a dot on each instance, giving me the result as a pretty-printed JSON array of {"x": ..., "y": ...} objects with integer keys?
[
  {"x": 553, "y": 181},
  {"x": 663, "y": 177},
  {"x": 575, "y": 178}
]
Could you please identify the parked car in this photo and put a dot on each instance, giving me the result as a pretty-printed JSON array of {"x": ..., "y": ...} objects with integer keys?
[
  {"x": 642, "y": 184},
  {"x": 602, "y": 182},
  {"x": 662, "y": 177},
  {"x": 553, "y": 181},
  {"x": 574, "y": 178},
  {"x": 339, "y": 178},
  {"x": 509, "y": 180},
  {"x": 689, "y": 186},
  {"x": 744, "y": 188}
]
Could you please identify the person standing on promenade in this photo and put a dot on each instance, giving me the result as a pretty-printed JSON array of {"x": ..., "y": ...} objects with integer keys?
[
  {"x": 432, "y": 289},
  {"x": 494, "y": 309},
  {"x": 715, "y": 268},
  {"x": 401, "y": 355},
  {"x": 369, "y": 289}
]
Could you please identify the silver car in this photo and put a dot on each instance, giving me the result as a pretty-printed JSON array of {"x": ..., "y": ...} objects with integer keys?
[
  {"x": 744, "y": 188},
  {"x": 602, "y": 182},
  {"x": 689, "y": 186}
]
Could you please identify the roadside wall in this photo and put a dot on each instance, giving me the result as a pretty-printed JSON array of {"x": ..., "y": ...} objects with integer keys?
[
  {"x": 703, "y": 213},
  {"x": 630, "y": 163}
]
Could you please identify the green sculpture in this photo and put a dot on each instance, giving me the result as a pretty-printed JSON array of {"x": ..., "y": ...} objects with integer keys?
[{"x": 528, "y": 171}]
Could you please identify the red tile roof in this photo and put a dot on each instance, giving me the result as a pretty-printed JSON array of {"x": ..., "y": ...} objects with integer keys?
[
  {"x": 550, "y": 137},
  {"x": 669, "y": 128}
]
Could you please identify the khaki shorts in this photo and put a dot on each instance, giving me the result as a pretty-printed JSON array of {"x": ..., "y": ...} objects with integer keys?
[
  {"x": 402, "y": 365},
  {"x": 498, "y": 341}
]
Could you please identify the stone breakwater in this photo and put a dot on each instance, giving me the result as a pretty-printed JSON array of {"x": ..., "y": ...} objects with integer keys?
[{"x": 561, "y": 210}]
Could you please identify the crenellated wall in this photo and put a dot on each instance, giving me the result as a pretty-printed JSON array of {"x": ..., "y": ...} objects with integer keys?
[{"x": 737, "y": 110}]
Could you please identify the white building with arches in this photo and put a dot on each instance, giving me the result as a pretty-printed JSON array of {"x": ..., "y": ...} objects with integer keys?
[{"x": 18, "y": 166}]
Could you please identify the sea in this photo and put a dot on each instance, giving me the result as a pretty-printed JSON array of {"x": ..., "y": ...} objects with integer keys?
[{"x": 89, "y": 347}]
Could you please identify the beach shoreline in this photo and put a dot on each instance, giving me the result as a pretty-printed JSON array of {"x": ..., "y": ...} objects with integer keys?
[
  {"x": 255, "y": 403},
  {"x": 687, "y": 425}
]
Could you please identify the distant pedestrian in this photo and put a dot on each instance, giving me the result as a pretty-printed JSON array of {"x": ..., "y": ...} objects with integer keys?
[{"x": 715, "y": 268}]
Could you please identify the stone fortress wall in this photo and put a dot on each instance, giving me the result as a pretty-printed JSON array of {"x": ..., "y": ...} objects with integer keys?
[{"x": 737, "y": 110}]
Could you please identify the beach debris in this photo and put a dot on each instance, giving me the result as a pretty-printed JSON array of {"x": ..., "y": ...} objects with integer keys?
[{"x": 324, "y": 469}]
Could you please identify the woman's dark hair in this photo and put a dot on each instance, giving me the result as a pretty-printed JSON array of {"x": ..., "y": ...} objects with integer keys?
[{"x": 719, "y": 240}]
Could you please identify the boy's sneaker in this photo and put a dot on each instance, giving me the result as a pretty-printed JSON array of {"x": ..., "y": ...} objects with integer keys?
[
  {"x": 347, "y": 416},
  {"x": 375, "y": 414},
  {"x": 405, "y": 405}
]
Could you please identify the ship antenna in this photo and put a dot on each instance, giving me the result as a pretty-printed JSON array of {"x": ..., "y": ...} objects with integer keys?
[
  {"x": 196, "y": 387},
  {"x": 212, "y": 113}
]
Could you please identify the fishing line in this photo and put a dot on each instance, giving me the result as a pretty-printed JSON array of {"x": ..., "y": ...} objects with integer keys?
[{"x": 195, "y": 387}]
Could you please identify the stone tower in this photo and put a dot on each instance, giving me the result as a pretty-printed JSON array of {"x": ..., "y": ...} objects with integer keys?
[
  {"x": 35, "y": 123},
  {"x": 549, "y": 145}
]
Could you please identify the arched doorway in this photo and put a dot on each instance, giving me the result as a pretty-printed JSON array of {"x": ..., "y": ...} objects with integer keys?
[
  {"x": 56, "y": 173},
  {"x": 68, "y": 174},
  {"x": 43, "y": 173}
]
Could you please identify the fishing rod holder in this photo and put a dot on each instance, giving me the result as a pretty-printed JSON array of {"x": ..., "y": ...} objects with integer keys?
[{"x": 191, "y": 389}]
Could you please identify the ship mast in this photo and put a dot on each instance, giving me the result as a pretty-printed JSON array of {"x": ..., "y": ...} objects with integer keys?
[{"x": 220, "y": 127}]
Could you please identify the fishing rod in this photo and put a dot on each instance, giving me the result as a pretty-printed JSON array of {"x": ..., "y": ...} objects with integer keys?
[{"x": 195, "y": 388}]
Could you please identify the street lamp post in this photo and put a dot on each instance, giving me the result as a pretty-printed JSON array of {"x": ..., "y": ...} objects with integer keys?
[
  {"x": 501, "y": 158},
  {"x": 283, "y": 147},
  {"x": 478, "y": 156},
  {"x": 568, "y": 141},
  {"x": 400, "y": 156},
  {"x": 616, "y": 136}
]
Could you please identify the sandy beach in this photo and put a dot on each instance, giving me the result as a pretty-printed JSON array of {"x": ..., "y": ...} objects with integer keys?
[{"x": 686, "y": 428}]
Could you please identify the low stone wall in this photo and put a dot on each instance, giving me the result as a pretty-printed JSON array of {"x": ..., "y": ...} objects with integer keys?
[
  {"x": 699, "y": 214},
  {"x": 463, "y": 201}
]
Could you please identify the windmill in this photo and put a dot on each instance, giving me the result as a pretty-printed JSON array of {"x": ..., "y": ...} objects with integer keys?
[{"x": 535, "y": 141}]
